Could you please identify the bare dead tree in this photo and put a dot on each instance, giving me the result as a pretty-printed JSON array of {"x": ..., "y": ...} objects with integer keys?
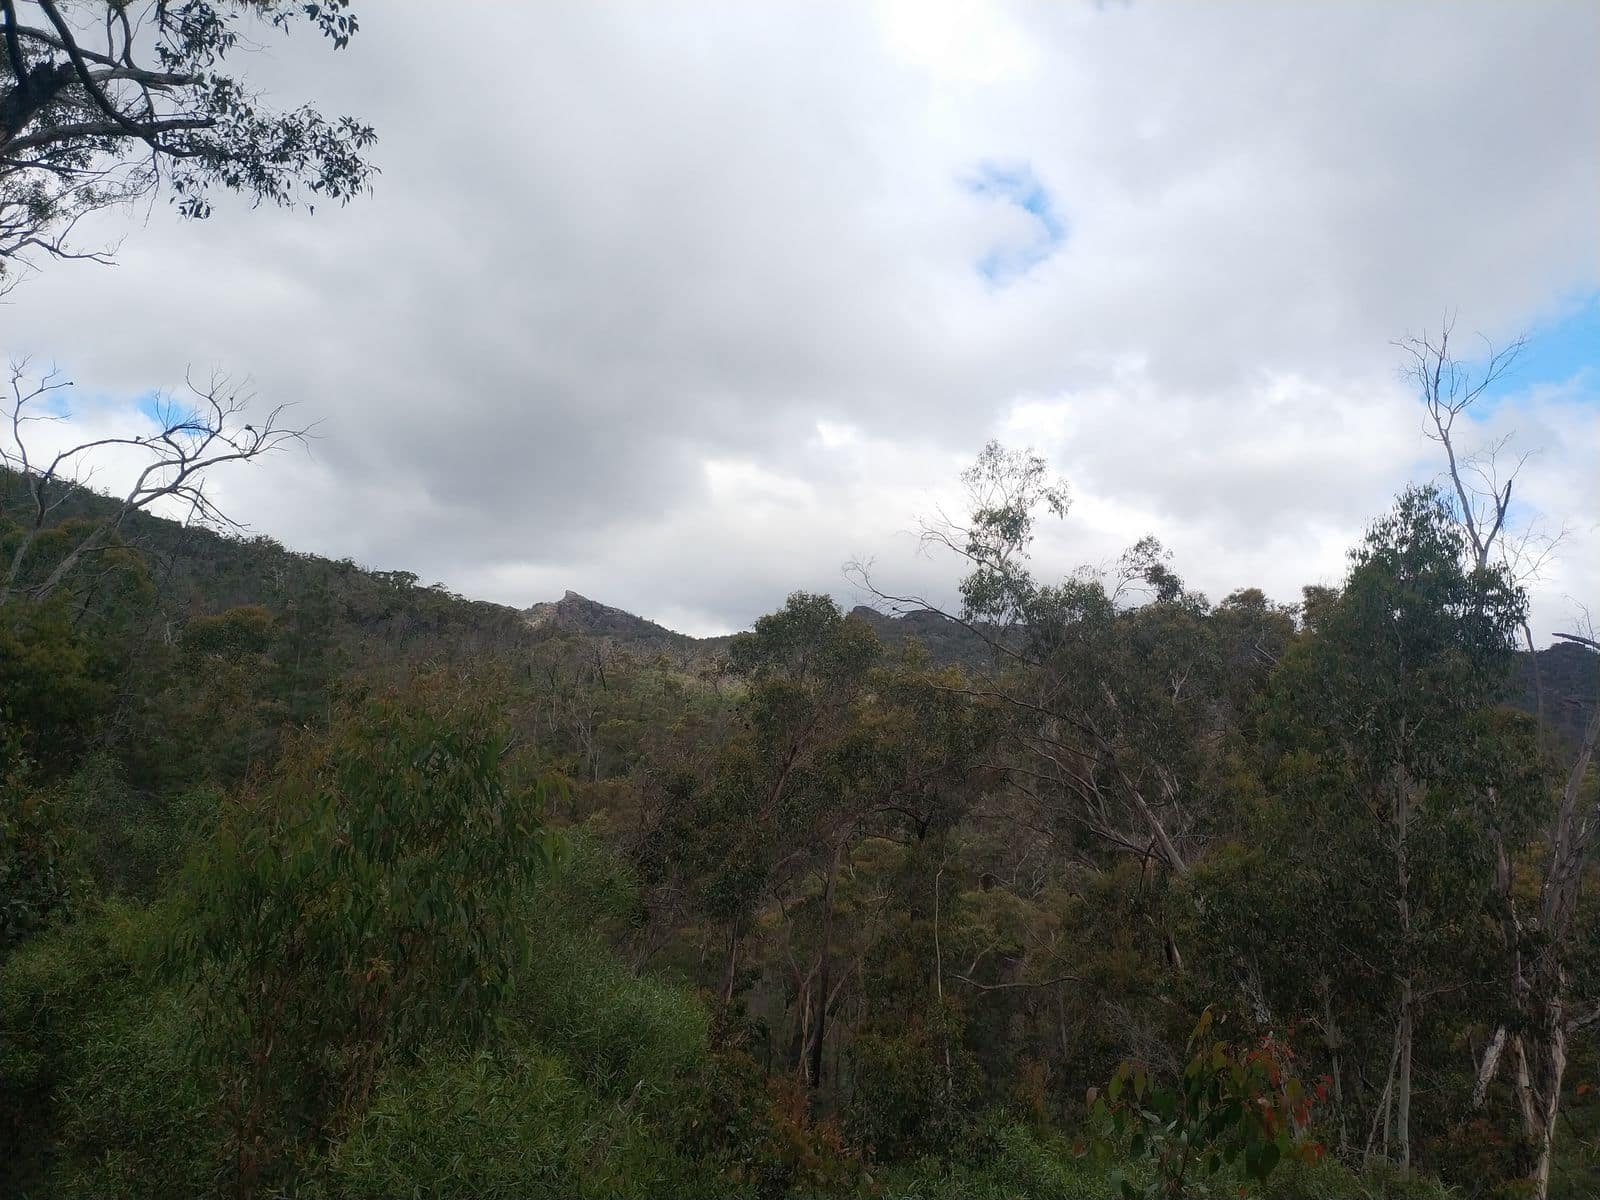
[
  {"x": 103, "y": 102},
  {"x": 174, "y": 462},
  {"x": 1538, "y": 942},
  {"x": 1480, "y": 477}
]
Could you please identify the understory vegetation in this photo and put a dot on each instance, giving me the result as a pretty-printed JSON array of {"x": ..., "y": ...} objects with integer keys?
[
  {"x": 317, "y": 882},
  {"x": 320, "y": 883}
]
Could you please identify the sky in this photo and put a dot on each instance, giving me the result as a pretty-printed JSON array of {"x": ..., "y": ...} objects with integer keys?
[{"x": 685, "y": 307}]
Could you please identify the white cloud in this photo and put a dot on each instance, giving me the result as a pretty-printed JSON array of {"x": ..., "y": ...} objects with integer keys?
[{"x": 683, "y": 309}]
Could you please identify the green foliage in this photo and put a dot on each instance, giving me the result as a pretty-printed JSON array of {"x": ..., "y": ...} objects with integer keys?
[
  {"x": 808, "y": 644},
  {"x": 381, "y": 973},
  {"x": 1006, "y": 488},
  {"x": 1008, "y": 1163},
  {"x": 95, "y": 1079},
  {"x": 173, "y": 115},
  {"x": 240, "y": 634},
  {"x": 368, "y": 899},
  {"x": 510, "y": 1125},
  {"x": 914, "y": 1089},
  {"x": 1230, "y": 1107},
  {"x": 620, "y": 1033},
  {"x": 37, "y": 880},
  {"x": 51, "y": 685},
  {"x": 127, "y": 840}
]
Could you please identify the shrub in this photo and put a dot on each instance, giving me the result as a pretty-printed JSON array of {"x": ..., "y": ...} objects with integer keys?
[
  {"x": 509, "y": 1125},
  {"x": 96, "y": 1086},
  {"x": 368, "y": 899}
]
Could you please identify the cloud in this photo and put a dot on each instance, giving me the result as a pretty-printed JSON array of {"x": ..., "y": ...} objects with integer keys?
[
  {"x": 682, "y": 311},
  {"x": 1041, "y": 231}
]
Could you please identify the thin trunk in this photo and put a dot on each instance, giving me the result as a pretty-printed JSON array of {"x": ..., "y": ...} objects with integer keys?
[
  {"x": 97, "y": 538},
  {"x": 1166, "y": 850},
  {"x": 1554, "y": 1071},
  {"x": 1380, "y": 1115},
  {"x": 1407, "y": 996},
  {"x": 938, "y": 978},
  {"x": 820, "y": 1015},
  {"x": 1334, "y": 1039},
  {"x": 1538, "y": 684},
  {"x": 1402, "y": 1103},
  {"x": 731, "y": 962},
  {"x": 1542, "y": 1066},
  {"x": 1489, "y": 1066},
  {"x": 1541, "y": 1073}
]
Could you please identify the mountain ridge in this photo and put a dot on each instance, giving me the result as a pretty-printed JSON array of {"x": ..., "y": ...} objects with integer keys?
[{"x": 1566, "y": 672}]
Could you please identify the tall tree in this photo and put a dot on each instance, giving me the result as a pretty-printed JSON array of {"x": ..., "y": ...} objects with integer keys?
[
  {"x": 1539, "y": 938},
  {"x": 1110, "y": 701},
  {"x": 1381, "y": 728}
]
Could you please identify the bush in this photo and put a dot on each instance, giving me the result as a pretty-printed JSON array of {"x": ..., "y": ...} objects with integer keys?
[
  {"x": 1009, "y": 1163},
  {"x": 129, "y": 840},
  {"x": 368, "y": 899},
  {"x": 509, "y": 1125},
  {"x": 913, "y": 1088},
  {"x": 1329, "y": 1180},
  {"x": 96, "y": 1086},
  {"x": 37, "y": 878},
  {"x": 620, "y": 1032}
]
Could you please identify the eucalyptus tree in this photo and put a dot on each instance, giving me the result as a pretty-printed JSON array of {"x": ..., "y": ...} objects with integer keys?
[
  {"x": 104, "y": 102},
  {"x": 1113, "y": 682},
  {"x": 370, "y": 897},
  {"x": 1397, "y": 781},
  {"x": 1540, "y": 938},
  {"x": 719, "y": 840},
  {"x": 836, "y": 743}
]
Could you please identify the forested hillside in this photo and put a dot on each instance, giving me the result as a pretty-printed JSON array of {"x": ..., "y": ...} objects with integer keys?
[{"x": 322, "y": 882}]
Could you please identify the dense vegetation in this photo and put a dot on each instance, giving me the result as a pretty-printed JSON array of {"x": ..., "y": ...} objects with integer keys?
[{"x": 318, "y": 882}]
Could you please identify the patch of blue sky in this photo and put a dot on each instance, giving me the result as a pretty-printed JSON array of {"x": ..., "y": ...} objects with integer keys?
[
  {"x": 152, "y": 405},
  {"x": 1561, "y": 352},
  {"x": 1567, "y": 349},
  {"x": 1016, "y": 184},
  {"x": 161, "y": 409},
  {"x": 54, "y": 403}
]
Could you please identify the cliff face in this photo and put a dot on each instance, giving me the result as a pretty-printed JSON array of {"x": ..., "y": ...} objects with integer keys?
[{"x": 576, "y": 614}]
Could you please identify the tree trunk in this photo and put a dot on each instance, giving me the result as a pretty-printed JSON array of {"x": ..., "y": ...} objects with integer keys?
[
  {"x": 1542, "y": 1063},
  {"x": 1542, "y": 1069},
  {"x": 96, "y": 538},
  {"x": 1380, "y": 1113},
  {"x": 1334, "y": 1040},
  {"x": 731, "y": 962},
  {"x": 819, "y": 1016},
  {"x": 1402, "y": 1121},
  {"x": 1488, "y": 1066},
  {"x": 1402, "y": 1099}
]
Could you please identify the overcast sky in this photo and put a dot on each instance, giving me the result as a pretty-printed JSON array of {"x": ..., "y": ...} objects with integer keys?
[{"x": 685, "y": 306}]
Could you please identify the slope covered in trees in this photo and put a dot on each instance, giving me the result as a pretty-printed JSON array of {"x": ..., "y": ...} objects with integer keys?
[{"x": 321, "y": 882}]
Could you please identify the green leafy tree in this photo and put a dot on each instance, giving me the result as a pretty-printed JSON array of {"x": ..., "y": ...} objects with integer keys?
[
  {"x": 1398, "y": 789},
  {"x": 365, "y": 901},
  {"x": 1543, "y": 941},
  {"x": 1111, "y": 703},
  {"x": 102, "y": 103},
  {"x": 36, "y": 863}
]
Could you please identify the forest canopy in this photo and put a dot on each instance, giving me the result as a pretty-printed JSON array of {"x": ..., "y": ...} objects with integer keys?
[{"x": 318, "y": 881}]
